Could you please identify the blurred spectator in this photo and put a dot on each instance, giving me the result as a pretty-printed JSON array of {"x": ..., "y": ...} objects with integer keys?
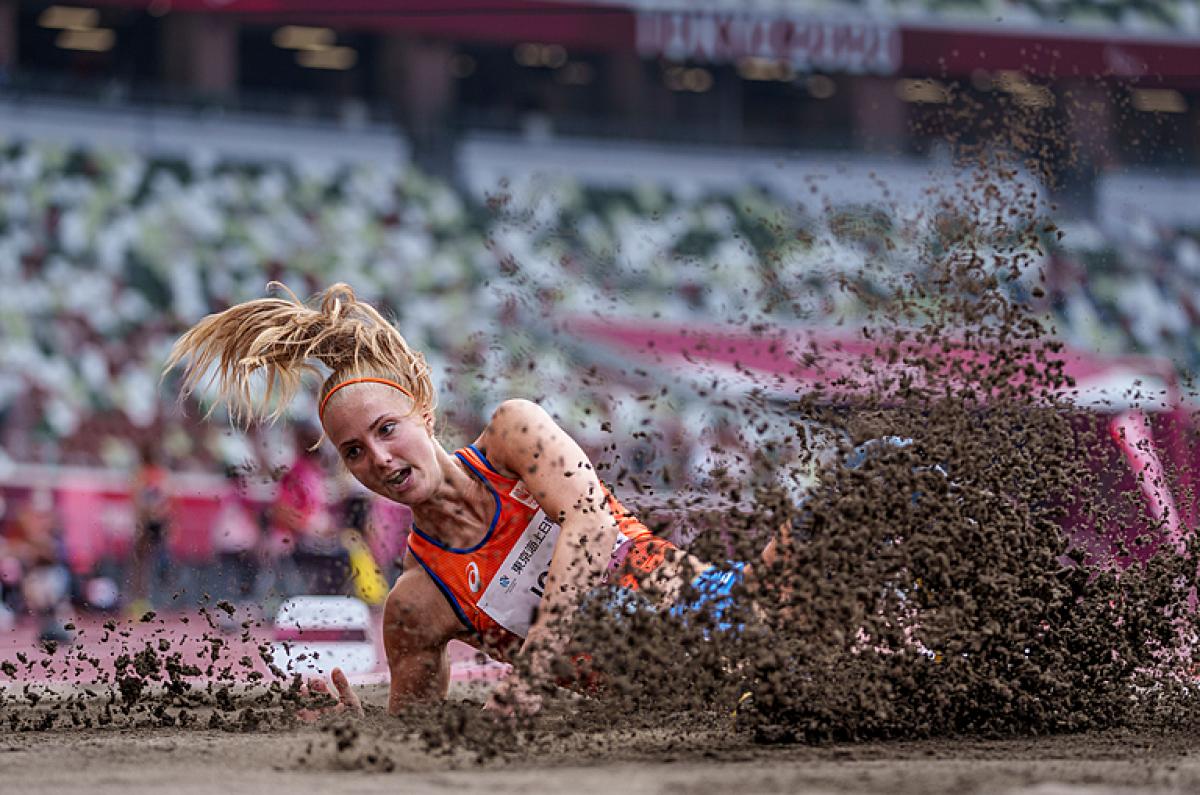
[
  {"x": 10, "y": 570},
  {"x": 366, "y": 575},
  {"x": 152, "y": 519},
  {"x": 387, "y": 525},
  {"x": 235, "y": 541},
  {"x": 304, "y": 534},
  {"x": 33, "y": 539}
]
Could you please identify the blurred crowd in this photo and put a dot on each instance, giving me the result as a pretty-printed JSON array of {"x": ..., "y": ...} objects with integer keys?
[
  {"x": 308, "y": 534},
  {"x": 1129, "y": 289},
  {"x": 106, "y": 256}
]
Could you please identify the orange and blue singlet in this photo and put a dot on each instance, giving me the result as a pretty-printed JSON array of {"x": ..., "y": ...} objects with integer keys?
[{"x": 495, "y": 586}]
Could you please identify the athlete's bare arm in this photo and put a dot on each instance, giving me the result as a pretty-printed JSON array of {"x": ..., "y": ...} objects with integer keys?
[
  {"x": 417, "y": 624},
  {"x": 524, "y": 440}
]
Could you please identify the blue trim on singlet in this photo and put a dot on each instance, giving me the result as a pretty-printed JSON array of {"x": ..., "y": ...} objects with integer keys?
[
  {"x": 484, "y": 459},
  {"x": 495, "y": 517},
  {"x": 446, "y": 592}
]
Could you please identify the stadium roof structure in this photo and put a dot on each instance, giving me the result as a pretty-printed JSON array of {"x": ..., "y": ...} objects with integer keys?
[
  {"x": 841, "y": 364},
  {"x": 1053, "y": 38}
]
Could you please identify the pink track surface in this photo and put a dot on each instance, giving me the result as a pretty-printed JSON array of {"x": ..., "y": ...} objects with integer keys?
[{"x": 186, "y": 632}]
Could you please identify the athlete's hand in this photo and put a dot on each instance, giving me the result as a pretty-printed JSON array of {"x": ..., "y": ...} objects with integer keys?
[
  {"x": 514, "y": 698},
  {"x": 345, "y": 700}
]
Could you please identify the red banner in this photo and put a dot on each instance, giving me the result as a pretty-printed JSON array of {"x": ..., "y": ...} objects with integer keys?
[{"x": 874, "y": 46}]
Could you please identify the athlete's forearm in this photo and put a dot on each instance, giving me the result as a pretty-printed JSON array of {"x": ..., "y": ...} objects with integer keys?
[
  {"x": 417, "y": 680},
  {"x": 580, "y": 558},
  {"x": 419, "y": 668}
]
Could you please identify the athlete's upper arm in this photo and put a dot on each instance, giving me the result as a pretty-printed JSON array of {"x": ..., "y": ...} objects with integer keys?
[
  {"x": 525, "y": 440},
  {"x": 421, "y": 608}
]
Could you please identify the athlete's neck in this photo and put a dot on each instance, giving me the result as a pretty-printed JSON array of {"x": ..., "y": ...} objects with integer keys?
[{"x": 460, "y": 511}]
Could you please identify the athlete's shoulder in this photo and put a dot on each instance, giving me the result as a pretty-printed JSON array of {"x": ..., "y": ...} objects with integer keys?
[
  {"x": 518, "y": 413},
  {"x": 513, "y": 424}
]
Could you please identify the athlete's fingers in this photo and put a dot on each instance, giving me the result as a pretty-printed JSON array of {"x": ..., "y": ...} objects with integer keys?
[
  {"x": 319, "y": 691},
  {"x": 513, "y": 699},
  {"x": 345, "y": 700},
  {"x": 346, "y": 692},
  {"x": 312, "y": 688}
]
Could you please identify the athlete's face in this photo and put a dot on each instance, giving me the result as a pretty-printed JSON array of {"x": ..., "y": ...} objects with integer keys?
[{"x": 388, "y": 448}]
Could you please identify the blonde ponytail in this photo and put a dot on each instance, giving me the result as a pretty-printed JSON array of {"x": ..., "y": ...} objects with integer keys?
[{"x": 284, "y": 340}]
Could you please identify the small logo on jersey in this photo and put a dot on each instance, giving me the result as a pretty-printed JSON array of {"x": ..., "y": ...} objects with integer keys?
[
  {"x": 521, "y": 493},
  {"x": 473, "y": 576},
  {"x": 505, "y": 581}
]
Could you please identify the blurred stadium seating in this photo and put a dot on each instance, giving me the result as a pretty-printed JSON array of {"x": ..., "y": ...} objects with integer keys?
[{"x": 108, "y": 254}]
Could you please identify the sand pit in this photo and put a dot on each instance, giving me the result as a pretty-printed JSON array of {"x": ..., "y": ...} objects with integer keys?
[
  {"x": 137, "y": 752},
  {"x": 305, "y": 759}
]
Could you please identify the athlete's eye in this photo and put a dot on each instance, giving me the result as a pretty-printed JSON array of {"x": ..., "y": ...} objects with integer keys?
[
  {"x": 350, "y": 453},
  {"x": 387, "y": 428}
]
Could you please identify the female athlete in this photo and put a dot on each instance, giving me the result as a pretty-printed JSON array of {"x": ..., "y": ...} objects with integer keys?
[{"x": 509, "y": 533}]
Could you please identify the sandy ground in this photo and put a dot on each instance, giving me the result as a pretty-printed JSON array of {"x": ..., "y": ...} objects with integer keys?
[{"x": 304, "y": 760}]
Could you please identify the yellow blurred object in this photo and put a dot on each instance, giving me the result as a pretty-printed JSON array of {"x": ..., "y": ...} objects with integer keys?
[
  {"x": 741, "y": 702},
  {"x": 369, "y": 584}
]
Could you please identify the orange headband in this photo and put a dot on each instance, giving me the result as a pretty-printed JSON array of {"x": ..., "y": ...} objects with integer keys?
[{"x": 330, "y": 393}]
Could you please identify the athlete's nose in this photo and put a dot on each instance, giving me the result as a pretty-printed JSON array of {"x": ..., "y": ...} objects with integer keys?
[{"x": 379, "y": 456}]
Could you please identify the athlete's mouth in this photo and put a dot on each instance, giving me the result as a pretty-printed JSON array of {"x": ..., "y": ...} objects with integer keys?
[{"x": 400, "y": 478}]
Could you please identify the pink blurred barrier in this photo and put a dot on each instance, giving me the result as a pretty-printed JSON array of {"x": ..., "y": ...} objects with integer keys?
[{"x": 95, "y": 513}]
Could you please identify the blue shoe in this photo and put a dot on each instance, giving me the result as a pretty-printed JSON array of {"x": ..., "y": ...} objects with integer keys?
[{"x": 714, "y": 589}]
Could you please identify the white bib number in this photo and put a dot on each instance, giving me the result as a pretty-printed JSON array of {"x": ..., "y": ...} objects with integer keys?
[
  {"x": 515, "y": 591},
  {"x": 513, "y": 595}
]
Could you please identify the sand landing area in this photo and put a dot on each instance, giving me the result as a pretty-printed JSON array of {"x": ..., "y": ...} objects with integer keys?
[
  {"x": 345, "y": 757},
  {"x": 241, "y": 743}
]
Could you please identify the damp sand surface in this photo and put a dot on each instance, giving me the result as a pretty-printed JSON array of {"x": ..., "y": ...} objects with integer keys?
[{"x": 305, "y": 759}]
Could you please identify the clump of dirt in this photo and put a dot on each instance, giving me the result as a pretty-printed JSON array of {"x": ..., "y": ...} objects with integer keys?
[
  {"x": 977, "y": 569},
  {"x": 161, "y": 678},
  {"x": 968, "y": 560},
  {"x": 917, "y": 601}
]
